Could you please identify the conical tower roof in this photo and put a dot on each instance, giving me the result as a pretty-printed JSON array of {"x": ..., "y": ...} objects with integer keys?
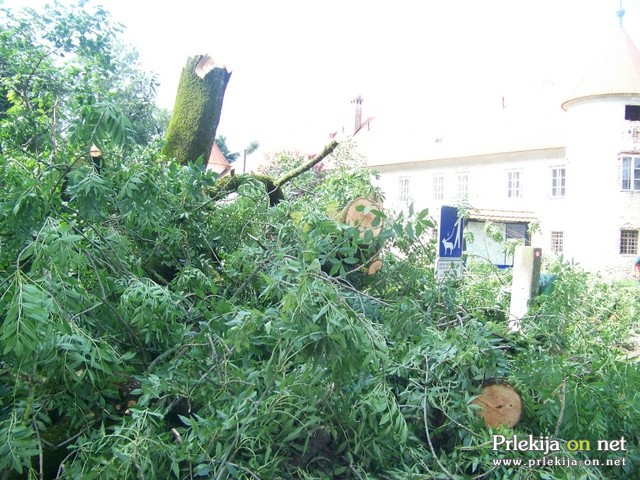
[{"x": 618, "y": 75}]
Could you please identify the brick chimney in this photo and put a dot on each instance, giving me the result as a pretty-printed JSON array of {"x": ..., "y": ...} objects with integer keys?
[{"x": 358, "y": 102}]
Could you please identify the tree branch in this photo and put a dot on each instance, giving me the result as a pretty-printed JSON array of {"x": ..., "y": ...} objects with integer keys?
[
  {"x": 328, "y": 150},
  {"x": 425, "y": 417}
]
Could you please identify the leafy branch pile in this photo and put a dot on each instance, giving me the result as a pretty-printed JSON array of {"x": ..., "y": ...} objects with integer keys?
[{"x": 151, "y": 329}]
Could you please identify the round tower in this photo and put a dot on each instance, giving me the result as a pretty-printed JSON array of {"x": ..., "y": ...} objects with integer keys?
[{"x": 603, "y": 162}]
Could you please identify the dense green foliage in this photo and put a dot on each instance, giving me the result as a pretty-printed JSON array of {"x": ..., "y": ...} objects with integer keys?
[
  {"x": 221, "y": 319},
  {"x": 67, "y": 83},
  {"x": 150, "y": 329}
]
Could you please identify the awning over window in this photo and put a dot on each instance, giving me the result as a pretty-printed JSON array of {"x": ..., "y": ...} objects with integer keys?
[{"x": 502, "y": 216}]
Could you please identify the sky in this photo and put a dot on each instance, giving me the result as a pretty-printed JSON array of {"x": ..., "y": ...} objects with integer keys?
[{"x": 297, "y": 64}]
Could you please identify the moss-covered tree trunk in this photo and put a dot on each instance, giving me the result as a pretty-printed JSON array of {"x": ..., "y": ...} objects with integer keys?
[{"x": 196, "y": 113}]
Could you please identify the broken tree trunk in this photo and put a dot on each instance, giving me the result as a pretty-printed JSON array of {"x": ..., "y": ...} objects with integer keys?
[
  {"x": 500, "y": 405},
  {"x": 196, "y": 113}
]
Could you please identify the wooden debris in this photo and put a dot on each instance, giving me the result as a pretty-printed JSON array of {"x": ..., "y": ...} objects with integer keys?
[
  {"x": 374, "y": 267},
  {"x": 500, "y": 405},
  {"x": 360, "y": 213}
]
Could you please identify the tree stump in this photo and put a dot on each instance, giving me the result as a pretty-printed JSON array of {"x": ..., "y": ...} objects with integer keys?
[{"x": 500, "y": 405}]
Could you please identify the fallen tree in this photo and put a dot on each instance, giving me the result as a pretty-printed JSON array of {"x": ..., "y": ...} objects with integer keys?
[{"x": 251, "y": 361}]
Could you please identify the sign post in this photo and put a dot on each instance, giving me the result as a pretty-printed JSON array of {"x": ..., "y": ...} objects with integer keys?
[{"x": 449, "y": 261}]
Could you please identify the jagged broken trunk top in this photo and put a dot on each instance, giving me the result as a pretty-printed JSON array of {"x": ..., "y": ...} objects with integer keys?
[{"x": 196, "y": 113}]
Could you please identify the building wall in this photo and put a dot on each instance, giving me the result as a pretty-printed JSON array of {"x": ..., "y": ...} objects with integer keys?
[
  {"x": 487, "y": 187},
  {"x": 587, "y": 215},
  {"x": 600, "y": 208},
  {"x": 487, "y": 180}
]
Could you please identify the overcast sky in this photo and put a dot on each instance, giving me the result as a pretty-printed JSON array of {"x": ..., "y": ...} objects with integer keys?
[{"x": 296, "y": 64}]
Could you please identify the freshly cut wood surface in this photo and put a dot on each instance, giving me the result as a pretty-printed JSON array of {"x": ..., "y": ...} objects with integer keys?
[
  {"x": 501, "y": 405},
  {"x": 374, "y": 267},
  {"x": 363, "y": 217}
]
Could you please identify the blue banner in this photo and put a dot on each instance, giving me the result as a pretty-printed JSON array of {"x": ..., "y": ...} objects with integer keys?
[{"x": 450, "y": 235}]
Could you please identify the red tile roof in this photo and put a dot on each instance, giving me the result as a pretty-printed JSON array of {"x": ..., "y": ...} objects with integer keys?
[{"x": 217, "y": 162}]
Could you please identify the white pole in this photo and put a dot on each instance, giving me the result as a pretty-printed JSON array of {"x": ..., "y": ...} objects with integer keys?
[{"x": 525, "y": 284}]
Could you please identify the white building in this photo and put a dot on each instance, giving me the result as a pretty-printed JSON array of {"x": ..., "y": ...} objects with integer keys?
[{"x": 571, "y": 167}]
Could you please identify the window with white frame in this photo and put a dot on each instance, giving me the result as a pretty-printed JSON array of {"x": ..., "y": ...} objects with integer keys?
[
  {"x": 514, "y": 184},
  {"x": 463, "y": 185},
  {"x": 558, "y": 181},
  {"x": 404, "y": 194},
  {"x": 630, "y": 173},
  {"x": 438, "y": 187},
  {"x": 628, "y": 242},
  {"x": 557, "y": 242}
]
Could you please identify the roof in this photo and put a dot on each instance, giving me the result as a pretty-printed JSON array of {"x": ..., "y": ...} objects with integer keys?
[
  {"x": 532, "y": 122},
  {"x": 511, "y": 216},
  {"x": 618, "y": 74},
  {"x": 217, "y": 162}
]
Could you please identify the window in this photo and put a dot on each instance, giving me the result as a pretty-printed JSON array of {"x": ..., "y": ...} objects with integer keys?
[
  {"x": 557, "y": 242},
  {"x": 438, "y": 187},
  {"x": 632, "y": 112},
  {"x": 558, "y": 181},
  {"x": 630, "y": 173},
  {"x": 514, "y": 186},
  {"x": 403, "y": 190},
  {"x": 517, "y": 231},
  {"x": 628, "y": 242},
  {"x": 463, "y": 185}
]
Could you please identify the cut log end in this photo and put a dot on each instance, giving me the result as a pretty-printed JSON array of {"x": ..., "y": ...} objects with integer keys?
[
  {"x": 95, "y": 152},
  {"x": 374, "y": 267},
  {"x": 500, "y": 405},
  {"x": 359, "y": 213},
  {"x": 96, "y": 158}
]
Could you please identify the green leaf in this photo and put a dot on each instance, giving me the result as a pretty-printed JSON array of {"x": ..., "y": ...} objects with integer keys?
[
  {"x": 202, "y": 470},
  {"x": 386, "y": 418},
  {"x": 295, "y": 433}
]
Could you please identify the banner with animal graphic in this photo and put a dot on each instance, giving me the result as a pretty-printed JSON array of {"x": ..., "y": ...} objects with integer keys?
[
  {"x": 450, "y": 235},
  {"x": 449, "y": 263}
]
